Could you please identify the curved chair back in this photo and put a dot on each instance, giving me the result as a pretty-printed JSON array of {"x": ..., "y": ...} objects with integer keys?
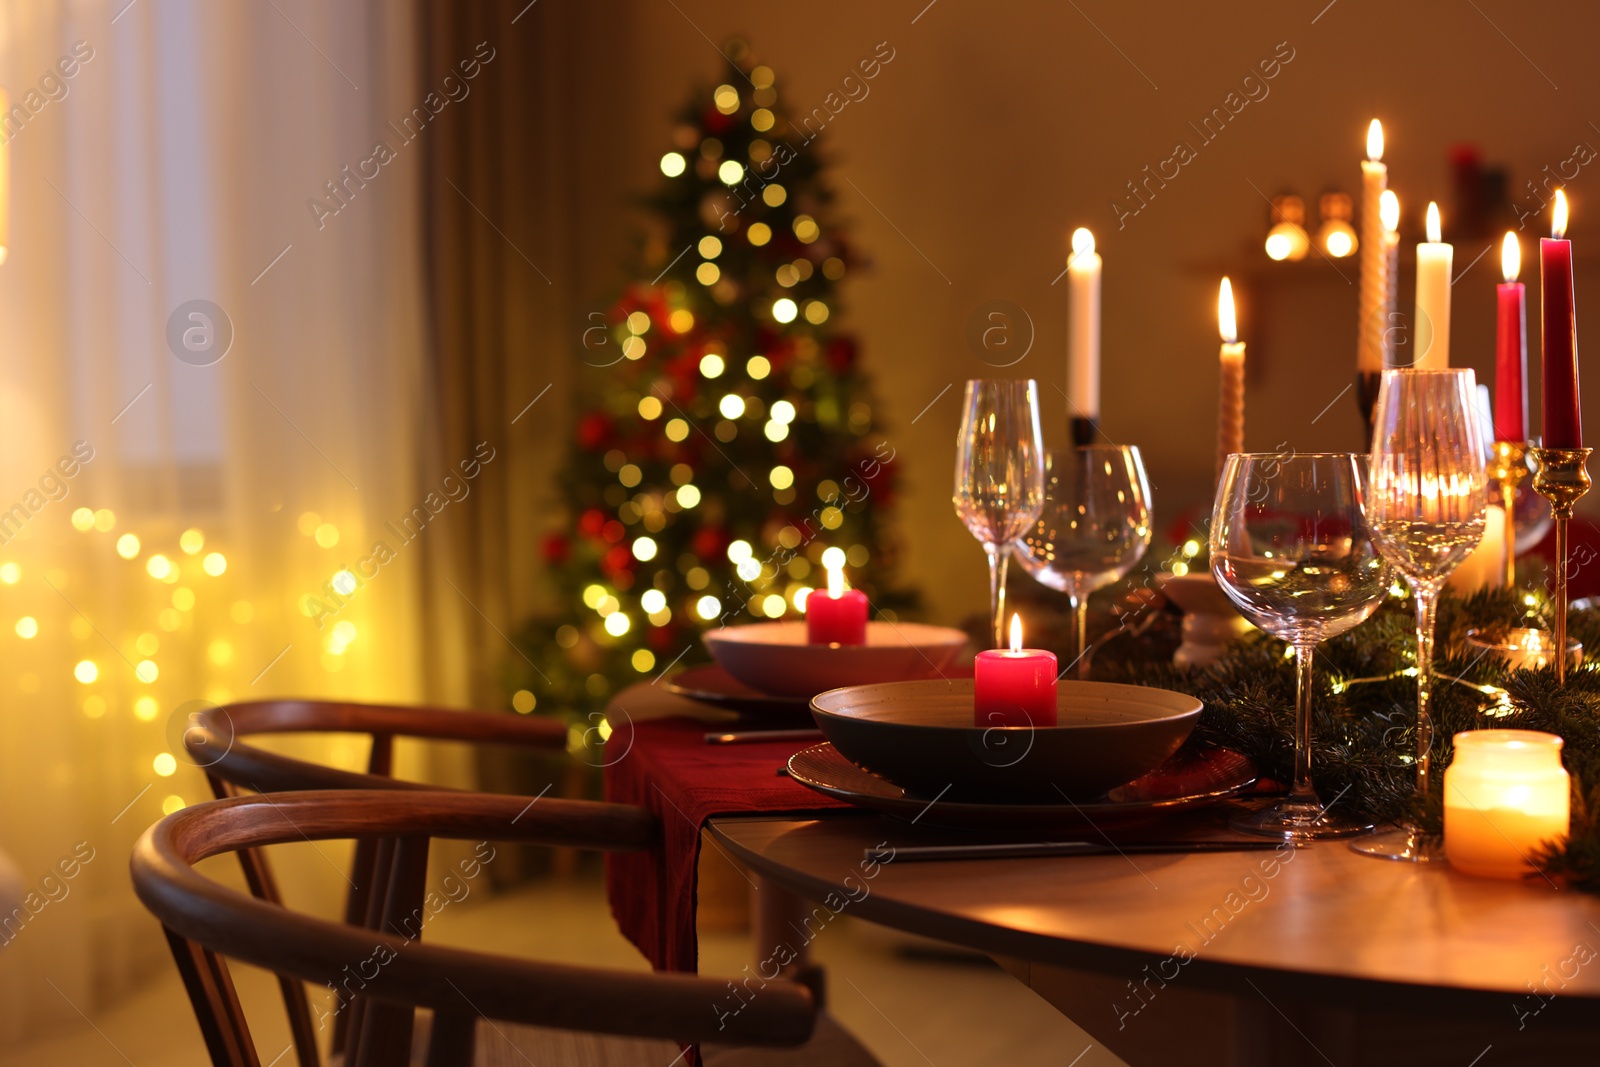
[
  {"x": 218, "y": 741},
  {"x": 380, "y": 976}
]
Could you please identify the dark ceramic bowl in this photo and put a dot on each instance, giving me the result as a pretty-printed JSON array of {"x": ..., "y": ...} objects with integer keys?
[
  {"x": 775, "y": 658},
  {"x": 922, "y": 737}
]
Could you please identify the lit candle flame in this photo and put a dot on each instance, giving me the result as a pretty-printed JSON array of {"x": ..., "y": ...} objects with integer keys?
[
  {"x": 1375, "y": 141},
  {"x": 1435, "y": 230},
  {"x": 835, "y": 582},
  {"x": 1510, "y": 257},
  {"x": 1389, "y": 211},
  {"x": 1558, "y": 218},
  {"x": 1016, "y": 633},
  {"x": 1082, "y": 243},
  {"x": 1227, "y": 325}
]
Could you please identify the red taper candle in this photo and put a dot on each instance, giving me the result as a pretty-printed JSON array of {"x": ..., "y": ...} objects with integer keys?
[
  {"x": 1558, "y": 336},
  {"x": 1511, "y": 349}
]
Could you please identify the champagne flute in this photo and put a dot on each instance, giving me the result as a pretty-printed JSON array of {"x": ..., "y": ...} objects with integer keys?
[
  {"x": 1094, "y": 527},
  {"x": 1429, "y": 491},
  {"x": 1291, "y": 548},
  {"x": 999, "y": 475}
]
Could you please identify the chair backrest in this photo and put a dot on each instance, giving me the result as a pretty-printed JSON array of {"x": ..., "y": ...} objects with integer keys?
[
  {"x": 216, "y": 740},
  {"x": 380, "y": 976}
]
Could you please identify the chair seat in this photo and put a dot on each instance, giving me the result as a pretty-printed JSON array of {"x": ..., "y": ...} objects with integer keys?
[{"x": 509, "y": 1045}]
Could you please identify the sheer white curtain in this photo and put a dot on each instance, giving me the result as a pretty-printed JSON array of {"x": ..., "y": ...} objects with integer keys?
[{"x": 169, "y": 151}]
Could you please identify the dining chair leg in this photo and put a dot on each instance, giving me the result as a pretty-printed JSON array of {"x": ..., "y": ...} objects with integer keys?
[
  {"x": 452, "y": 1042},
  {"x": 386, "y": 1028},
  {"x": 222, "y": 1022}
]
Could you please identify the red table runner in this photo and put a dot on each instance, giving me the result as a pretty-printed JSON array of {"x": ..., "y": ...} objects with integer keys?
[{"x": 672, "y": 771}]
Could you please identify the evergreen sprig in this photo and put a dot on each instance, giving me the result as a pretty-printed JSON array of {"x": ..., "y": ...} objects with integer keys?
[{"x": 1364, "y": 718}]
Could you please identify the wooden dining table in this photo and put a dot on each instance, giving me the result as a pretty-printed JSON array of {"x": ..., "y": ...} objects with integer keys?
[
  {"x": 1285, "y": 956},
  {"x": 1288, "y": 956}
]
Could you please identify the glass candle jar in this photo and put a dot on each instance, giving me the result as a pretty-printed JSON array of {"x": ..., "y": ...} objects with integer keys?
[{"x": 1505, "y": 795}]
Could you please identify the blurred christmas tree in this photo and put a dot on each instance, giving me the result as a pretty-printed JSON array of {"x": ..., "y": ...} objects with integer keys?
[{"x": 732, "y": 440}]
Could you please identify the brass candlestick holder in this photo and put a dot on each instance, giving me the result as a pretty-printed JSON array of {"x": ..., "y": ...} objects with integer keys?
[
  {"x": 1562, "y": 478},
  {"x": 1509, "y": 467}
]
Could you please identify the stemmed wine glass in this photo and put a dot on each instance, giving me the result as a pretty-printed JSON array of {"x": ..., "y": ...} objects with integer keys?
[
  {"x": 999, "y": 475},
  {"x": 1429, "y": 491},
  {"x": 1290, "y": 546},
  {"x": 1094, "y": 527}
]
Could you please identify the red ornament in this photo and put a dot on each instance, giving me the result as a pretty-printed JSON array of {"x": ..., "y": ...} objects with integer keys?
[
  {"x": 594, "y": 431},
  {"x": 556, "y": 548},
  {"x": 591, "y": 522},
  {"x": 617, "y": 561},
  {"x": 841, "y": 354},
  {"x": 613, "y": 531},
  {"x": 709, "y": 542}
]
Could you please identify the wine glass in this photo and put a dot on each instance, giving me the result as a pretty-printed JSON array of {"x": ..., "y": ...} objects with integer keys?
[
  {"x": 999, "y": 475},
  {"x": 1426, "y": 506},
  {"x": 1094, "y": 527},
  {"x": 1290, "y": 546}
]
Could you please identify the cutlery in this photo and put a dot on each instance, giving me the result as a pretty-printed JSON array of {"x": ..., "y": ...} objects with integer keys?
[
  {"x": 1019, "y": 850},
  {"x": 735, "y": 737}
]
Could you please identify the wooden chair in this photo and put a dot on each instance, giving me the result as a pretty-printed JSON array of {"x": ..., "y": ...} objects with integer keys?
[
  {"x": 217, "y": 741},
  {"x": 382, "y": 976}
]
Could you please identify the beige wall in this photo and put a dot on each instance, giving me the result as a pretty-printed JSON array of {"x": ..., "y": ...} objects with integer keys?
[{"x": 999, "y": 127}]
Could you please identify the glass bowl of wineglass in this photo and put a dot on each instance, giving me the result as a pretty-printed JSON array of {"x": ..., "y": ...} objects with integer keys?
[
  {"x": 1291, "y": 547},
  {"x": 1094, "y": 527}
]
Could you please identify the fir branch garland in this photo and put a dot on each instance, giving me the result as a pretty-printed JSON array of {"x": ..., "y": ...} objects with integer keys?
[{"x": 1364, "y": 712}]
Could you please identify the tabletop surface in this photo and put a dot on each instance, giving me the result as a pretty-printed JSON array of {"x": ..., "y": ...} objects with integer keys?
[{"x": 1323, "y": 920}]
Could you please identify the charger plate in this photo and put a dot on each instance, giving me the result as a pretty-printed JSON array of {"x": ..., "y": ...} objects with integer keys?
[{"x": 1193, "y": 778}]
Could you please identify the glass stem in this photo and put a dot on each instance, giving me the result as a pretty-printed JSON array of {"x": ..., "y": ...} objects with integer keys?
[
  {"x": 1427, "y": 604},
  {"x": 1301, "y": 789},
  {"x": 999, "y": 557},
  {"x": 1080, "y": 631}
]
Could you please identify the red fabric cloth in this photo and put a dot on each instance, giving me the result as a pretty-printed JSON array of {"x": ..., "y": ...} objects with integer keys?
[{"x": 672, "y": 771}]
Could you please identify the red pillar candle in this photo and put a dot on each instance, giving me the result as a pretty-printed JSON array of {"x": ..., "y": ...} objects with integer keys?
[
  {"x": 837, "y": 617},
  {"x": 1511, "y": 349},
  {"x": 1015, "y": 686},
  {"x": 1558, "y": 335}
]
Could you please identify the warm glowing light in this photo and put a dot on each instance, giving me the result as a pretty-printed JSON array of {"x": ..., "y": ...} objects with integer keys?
[
  {"x": 215, "y": 563},
  {"x": 649, "y": 408},
  {"x": 1558, "y": 218},
  {"x": 758, "y": 367},
  {"x": 1340, "y": 244},
  {"x": 784, "y": 309},
  {"x": 1016, "y": 633},
  {"x": 105, "y": 520},
  {"x": 27, "y": 627},
  {"x": 639, "y": 322},
  {"x": 147, "y": 644},
  {"x": 191, "y": 541},
  {"x": 523, "y": 701},
  {"x": 1279, "y": 245},
  {"x": 127, "y": 546},
  {"x": 83, "y": 519},
  {"x": 1389, "y": 211},
  {"x": 740, "y": 551},
  {"x": 835, "y": 582},
  {"x": 672, "y": 164},
  {"x": 708, "y": 607},
  {"x": 731, "y": 406},
  {"x": 182, "y": 599},
  {"x": 783, "y": 412},
  {"x": 1435, "y": 230},
  {"x": 147, "y": 671},
  {"x": 158, "y": 566},
  {"x": 833, "y": 557},
  {"x": 643, "y": 660},
  {"x": 1227, "y": 325},
  {"x": 730, "y": 172},
  {"x": 644, "y": 548},
  {"x": 1375, "y": 141},
  {"x": 1082, "y": 243},
  {"x": 220, "y": 652},
  {"x": 758, "y": 234},
  {"x": 10, "y": 573},
  {"x": 171, "y": 805},
  {"x": 327, "y": 535},
  {"x": 616, "y": 624},
  {"x": 652, "y": 601},
  {"x": 146, "y": 708},
  {"x": 86, "y": 671},
  {"x": 781, "y": 477},
  {"x": 688, "y": 495},
  {"x": 710, "y": 247},
  {"x": 344, "y": 583},
  {"x": 1510, "y": 257},
  {"x": 165, "y": 765}
]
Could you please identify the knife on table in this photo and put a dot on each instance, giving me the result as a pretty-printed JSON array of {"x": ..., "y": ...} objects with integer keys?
[{"x": 1023, "y": 849}]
